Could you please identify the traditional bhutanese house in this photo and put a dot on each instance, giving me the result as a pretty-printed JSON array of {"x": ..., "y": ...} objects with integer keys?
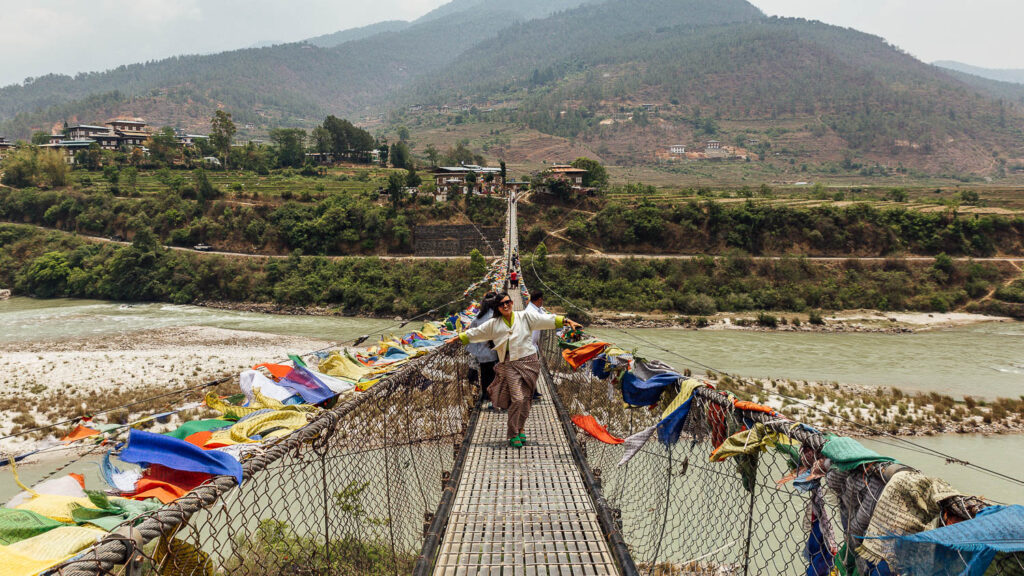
[
  {"x": 713, "y": 145},
  {"x": 82, "y": 131},
  {"x": 677, "y": 150},
  {"x": 488, "y": 180},
  {"x": 70, "y": 147},
  {"x": 573, "y": 175},
  {"x": 107, "y": 140},
  {"x": 452, "y": 179},
  {"x": 515, "y": 186},
  {"x": 448, "y": 179},
  {"x": 188, "y": 140},
  {"x": 128, "y": 125},
  {"x": 130, "y": 132},
  {"x": 5, "y": 145}
]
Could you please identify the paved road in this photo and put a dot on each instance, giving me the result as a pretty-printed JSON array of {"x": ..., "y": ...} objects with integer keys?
[{"x": 1015, "y": 259}]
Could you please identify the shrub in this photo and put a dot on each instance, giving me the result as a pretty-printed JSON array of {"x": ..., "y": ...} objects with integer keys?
[
  {"x": 767, "y": 320},
  {"x": 699, "y": 304},
  {"x": 815, "y": 318}
]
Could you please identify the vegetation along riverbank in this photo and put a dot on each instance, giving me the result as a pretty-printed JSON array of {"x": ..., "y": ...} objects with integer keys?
[{"x": 53, "y": 264}]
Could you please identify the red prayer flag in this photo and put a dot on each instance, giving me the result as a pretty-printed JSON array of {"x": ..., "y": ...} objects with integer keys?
[{"x": 590, "y": 426}]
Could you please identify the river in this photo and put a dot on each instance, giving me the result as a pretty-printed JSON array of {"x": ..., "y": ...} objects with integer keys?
[{"x": 981, "y": 360}]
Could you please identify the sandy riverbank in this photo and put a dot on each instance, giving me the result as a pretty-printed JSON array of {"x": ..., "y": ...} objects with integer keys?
[
  {"x": 846, "y": 321},
  {"x": 48, "y": 381},
  {"x": 53, "y": 380}
]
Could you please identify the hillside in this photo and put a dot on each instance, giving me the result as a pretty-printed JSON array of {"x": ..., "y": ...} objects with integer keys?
[
  {"x": 290, "y": 84},
  {"x": 582, "y": 72}
]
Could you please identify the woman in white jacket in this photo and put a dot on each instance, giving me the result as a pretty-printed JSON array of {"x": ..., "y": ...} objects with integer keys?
[{"x": 518, "y": 365}]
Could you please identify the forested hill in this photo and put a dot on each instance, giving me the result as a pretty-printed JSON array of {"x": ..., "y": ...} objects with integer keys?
[
  {"x": 580, "y": 69},
  {"x": 727, "y": 63},
  {"x": 279, "y": 85}
]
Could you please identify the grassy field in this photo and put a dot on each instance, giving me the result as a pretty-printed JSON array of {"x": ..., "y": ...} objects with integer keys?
[{"x": 275, "y": 187}]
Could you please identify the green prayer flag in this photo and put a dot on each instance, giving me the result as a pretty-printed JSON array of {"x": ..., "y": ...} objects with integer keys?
[
  {"x": 18, "y": 525},
  {"x": 189, "y": 428}
]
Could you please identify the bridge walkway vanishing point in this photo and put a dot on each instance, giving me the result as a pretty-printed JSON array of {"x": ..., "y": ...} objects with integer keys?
[{"x": 526, "y": 511}]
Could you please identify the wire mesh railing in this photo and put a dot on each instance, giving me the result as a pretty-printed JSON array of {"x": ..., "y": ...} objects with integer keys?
[
  {"x": 682, "y": 514},
  {"x": 353, "y": 492}
]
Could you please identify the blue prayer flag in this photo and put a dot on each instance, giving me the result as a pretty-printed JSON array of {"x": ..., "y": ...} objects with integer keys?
[
  {"x": 305, "y": 384},
  {"x": 637, "y": 392},
  {"x": 966, "y": 548},
  {"x": 671, "y": 427},
  {"x": 599, "y": 367},
  {"x": 147, "y": 448}
]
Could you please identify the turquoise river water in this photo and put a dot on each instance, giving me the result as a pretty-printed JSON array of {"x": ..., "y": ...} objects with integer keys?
[{"x": 984, "y": 360}]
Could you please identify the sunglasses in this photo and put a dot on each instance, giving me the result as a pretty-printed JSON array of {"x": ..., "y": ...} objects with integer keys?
[{"x": 504, "y": 303}]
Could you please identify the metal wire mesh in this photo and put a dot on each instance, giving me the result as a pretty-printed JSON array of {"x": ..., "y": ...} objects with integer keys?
[
  {"x": 681, "y": 514},
  {"x": 350, "y": 493}
]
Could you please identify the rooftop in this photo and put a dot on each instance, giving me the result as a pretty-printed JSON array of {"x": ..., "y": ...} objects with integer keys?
[{"x": 82, "y": 143}]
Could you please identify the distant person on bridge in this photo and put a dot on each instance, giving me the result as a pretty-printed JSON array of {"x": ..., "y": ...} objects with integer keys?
[
  {"x": 518, "y": 366},
  {"x": 513, "y": 279},
  {"x": 482, "y": 355}
]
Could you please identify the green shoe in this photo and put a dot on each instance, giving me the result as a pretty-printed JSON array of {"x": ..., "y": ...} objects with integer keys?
[
  {"x": 522, "y": 438},
  {"x": 515, "y": 442}
]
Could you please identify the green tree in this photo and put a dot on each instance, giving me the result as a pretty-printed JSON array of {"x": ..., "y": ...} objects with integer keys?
[
  {"x": 20, "y": 168},
  {"x": 898, "y": 195},
  {"x": 477, "y": 264},
  {"x": 90, "y": 158},
  {"x": 432, "y": 154},
  {"x": 164, "y": 146},
  {"x": 46, "y": 276},
  {"x": 130, "y": 177},
  {"x": 39, "y": 138},
  {"x": 320, "y": 138},
  {"x": 403, "y": 134},
  {"x": 290, "y": 144},
  {"x": 347, "y": 140},
  {"x": 504, "y": 172},
  {"x": 205, "y": 190},
  {"x": 596, "y": 175},
  {"x": 412, "y": 179},
  {"x": 53, "y": 170},
  {"x": 400, "y": 155},
  {"x": 541, "y": 254},
  {"x": 222, "y": 134},
  {"x": 395, "y": 183}
]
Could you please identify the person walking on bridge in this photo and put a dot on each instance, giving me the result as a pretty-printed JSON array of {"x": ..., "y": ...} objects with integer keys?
[
  {"x": 483, "y": 358},
  {"x": 518, "y": 364}
]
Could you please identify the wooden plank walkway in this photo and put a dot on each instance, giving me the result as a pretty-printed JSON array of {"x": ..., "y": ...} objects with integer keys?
[{"x": 523, "y": 512}]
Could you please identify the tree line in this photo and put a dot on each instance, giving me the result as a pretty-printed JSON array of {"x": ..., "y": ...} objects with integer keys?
[
  {"x": 765, "y": 229},
  {"x": 47, "y": 264}
]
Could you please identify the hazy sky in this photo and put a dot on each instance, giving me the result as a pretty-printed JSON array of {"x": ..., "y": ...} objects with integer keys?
[{"x": 68, "y": 36}]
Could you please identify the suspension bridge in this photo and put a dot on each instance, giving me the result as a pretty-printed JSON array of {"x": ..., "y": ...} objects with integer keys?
[{"x": 412, "y": 476}]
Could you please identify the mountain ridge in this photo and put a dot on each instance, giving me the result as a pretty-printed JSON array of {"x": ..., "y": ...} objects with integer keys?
[
  {"x": 1011, "y": 75},
  {"x": 578, "y": 70}
]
